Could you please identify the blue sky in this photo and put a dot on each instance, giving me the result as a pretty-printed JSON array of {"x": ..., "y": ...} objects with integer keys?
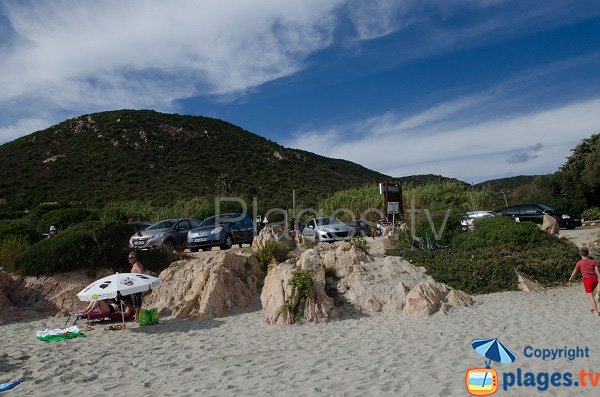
[{"x": 468, "y": 89}]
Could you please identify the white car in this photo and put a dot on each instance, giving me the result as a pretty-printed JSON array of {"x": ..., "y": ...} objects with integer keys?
[
  {"x": 327, "y": 230},
  {"x": 467, "y": 222}
]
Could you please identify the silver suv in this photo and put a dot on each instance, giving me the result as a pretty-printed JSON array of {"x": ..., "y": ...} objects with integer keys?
[{"x": 170, "y": 233}]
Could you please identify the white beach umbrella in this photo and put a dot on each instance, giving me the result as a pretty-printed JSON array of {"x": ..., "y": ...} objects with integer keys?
[{"x": 125, "y": 283}]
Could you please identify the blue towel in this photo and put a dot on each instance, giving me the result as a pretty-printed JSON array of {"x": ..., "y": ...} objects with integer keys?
[{"x": 9, "y": 385}]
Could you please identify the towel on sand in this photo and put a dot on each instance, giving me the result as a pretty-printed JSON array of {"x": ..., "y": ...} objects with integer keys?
[{"x": 54, "y": 335}]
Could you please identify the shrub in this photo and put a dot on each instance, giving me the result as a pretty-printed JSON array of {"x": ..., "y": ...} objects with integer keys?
[
  {"x": 63, "y": 218},
  {"x": 269, "y": 251},
  {"x": 499, "y": 230},
  {"x": 11, "y": 247},
  {"x": 88, "y": 245},
  {"x": 591, "y": 214},
  {"x": 424, "y": 232},
  {"x": 485, "y": 260},
  {"x": 302, "y": 288},
  {"x": 359, "y": 243},
  {"x": 19, "y": 229},
  {"x": 156, "y": 260}
]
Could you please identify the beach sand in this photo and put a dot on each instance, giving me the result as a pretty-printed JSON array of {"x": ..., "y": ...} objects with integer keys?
[{"x": 357, "y": 356}]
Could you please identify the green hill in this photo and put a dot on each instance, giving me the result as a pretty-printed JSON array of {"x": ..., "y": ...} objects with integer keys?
[{"x": 145, "y": 155}]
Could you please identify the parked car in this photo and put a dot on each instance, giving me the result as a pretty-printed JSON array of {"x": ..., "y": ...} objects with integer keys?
[
  {"x": 138, "y": 226},
  {"x": 535, "y": 213},
  {"x": 360, "y": 228},
  {"x": 230, "y": 229},
  {"x": 170, "y": 233},
  {"x": 467, "y": 222},
  {"x": 327, "y": 230}
]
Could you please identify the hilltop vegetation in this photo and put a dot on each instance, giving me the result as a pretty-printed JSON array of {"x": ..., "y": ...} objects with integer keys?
[
  {"x": 574, "y": 187},
  {"x": 144, "y": 155}
]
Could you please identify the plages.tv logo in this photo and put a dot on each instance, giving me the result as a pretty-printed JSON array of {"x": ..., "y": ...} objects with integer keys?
[{"x": 484, "y": 381}]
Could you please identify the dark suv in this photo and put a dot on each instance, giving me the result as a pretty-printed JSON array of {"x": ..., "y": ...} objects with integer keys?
[
  {"x": 224, "y": 231},
  {"x": 535, "y": 213}
]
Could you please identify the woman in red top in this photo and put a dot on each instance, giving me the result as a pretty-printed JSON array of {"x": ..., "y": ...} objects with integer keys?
[{"x": 590, "y": 275}]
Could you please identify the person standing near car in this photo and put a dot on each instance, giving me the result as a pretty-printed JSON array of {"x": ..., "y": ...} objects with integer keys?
[
  {"x": 589, "y": 273},
  {"x": 135, "y": 299}
]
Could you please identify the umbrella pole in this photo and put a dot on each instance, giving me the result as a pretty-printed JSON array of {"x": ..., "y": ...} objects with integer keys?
[{"x": 122, "y": 314}]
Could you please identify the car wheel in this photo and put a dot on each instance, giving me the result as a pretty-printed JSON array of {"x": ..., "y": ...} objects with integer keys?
[
  {"x": 170, "y": 245},
  {"x": 250, "y": 241},
  {"x": 206, "y": 248},
  {"x": 194, "y": 249},
  {"x": 377, "y": 233},
  {"x": 227, "y": 243},
  {"x": 317, "y": 239}
]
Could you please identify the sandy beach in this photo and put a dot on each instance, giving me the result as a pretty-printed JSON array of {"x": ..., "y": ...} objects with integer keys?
[
  {"x": 357, "y": 356},
  {"x": 360, "y": 355}
]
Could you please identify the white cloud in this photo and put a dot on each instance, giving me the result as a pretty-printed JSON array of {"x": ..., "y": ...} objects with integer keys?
[
  {"x": 69, "y": 57},
  {"x": 20, "y": 128},
  {"x": 454, "y": 150}
]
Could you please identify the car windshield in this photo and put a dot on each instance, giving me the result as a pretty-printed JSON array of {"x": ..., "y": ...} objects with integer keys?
[
  {"x": 546, "y": 207},
  {"x": 211, "y": 221},
  {"x": 327, "y": 221},
  {"x": 161, "y": 225}
]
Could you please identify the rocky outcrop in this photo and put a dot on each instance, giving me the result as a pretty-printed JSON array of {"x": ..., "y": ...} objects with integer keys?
[
  {"x": 370, "y": 284},
  {"x": 24, "y": 297},
  {"x": 431, "y": 296},
  {"x": 277, "y": 233},
  {"x": 550, "y": 225},
  {"x": 526, "y": 284},
  {"x": 387, "y": 284},
  {"x": 283, "y": 303},
  {"x": 206, "y": 288}
]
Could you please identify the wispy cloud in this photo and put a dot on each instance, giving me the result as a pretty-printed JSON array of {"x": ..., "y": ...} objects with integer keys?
[
  {"x": 69, "y": 57},
  {"x": 497, "y": 129}
]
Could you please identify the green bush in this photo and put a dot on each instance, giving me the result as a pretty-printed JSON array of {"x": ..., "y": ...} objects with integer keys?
[
  {"x": 302, "y": 288},
  {"x": 424, "y": 232},
  {"x": 486, "y": 260},
  {"x": 19, "y": 229},
  {"x": 591, "y": 214},
  {"x": 37, "y": 212},
  {"x": 11, "y": 247},
  {"x": 156, "y": 260},
  {"x": 271, "y": 250},
  {"x": 88, "y": 245},
  {"x": 63, "y": 218},
  {"x": 499, "y": 230},
  {"x": 359, "y": 243}
]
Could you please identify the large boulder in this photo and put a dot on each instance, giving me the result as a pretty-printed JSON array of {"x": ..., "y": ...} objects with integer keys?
[
  {"x": 207, "y": 287},
  {"x": 550, "y": 225},
  {"x": 284, "y": 304},
  {"x": 430, "y": 296},
  {"x": 384, "y": 284},
  {"x": 277, "y": 233}
]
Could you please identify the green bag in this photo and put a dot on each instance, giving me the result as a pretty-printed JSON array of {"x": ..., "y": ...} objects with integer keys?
[{"x": 148, "y": 316}]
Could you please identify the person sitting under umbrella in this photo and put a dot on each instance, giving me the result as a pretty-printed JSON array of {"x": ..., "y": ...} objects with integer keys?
[{"x": 109, "y": 306}]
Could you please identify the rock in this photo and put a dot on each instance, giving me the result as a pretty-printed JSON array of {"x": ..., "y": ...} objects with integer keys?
[
  {"x": 550, "y": 225},
  {"x": 526, "y": 284},
  {"x": 277, "y": 293},
  {"x": 206, "y": 288},
  {"x": 276, "y": 233},
  {"x": 26, "y": 297},
  {"x": 381, "y": 284}
]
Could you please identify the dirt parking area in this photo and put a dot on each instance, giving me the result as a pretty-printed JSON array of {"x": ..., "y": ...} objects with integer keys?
[{"x": 583, "y": 235}]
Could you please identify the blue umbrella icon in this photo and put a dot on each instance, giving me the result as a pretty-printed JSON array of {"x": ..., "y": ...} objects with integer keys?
[{"x": 493, "y": 349}]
